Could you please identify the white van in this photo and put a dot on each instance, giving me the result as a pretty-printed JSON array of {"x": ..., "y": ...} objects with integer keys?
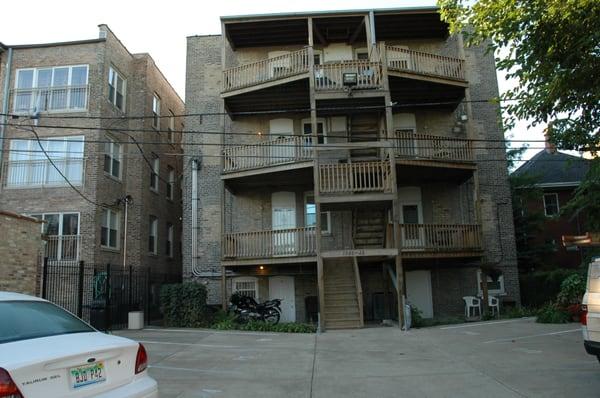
[{"x": 590, "y": 318}]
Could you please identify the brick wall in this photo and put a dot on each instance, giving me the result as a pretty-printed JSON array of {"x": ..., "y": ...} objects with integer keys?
[{"x": 20, "y": 251}]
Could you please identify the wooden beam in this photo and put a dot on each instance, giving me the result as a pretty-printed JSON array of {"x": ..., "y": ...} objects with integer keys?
[
  {"x": 269, "y": 261},
  {"x": 267, "y": 170},
  {"x": 224, "y": 298},
  {"x": 357, "y": 198},
  {"x": 354, "y": 253}
]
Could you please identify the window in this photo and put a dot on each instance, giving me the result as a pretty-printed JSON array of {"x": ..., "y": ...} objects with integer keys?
[
  {"x": 551, "y": 207},
  {"x": 61, "y": 88},
  {"x": 29, "y": 167},
  {"x": 153, "y": 235},
  {"x": 494, "y": 288},
  {"x": 112, "y": 158},
  {"x": 321, "y": 133},
  {"x": 109, "y": 233},
  {"x": 171, "y": 135},
  {"x": 310, "y": 214},
  {"x": 170, "y": 183},
  {"x": 169, "y": 242},
  {"x": 246, "y": 286},
  {"x": 117, "y": 87},
  {"x": 156, "y": 112},
  {"x": 62, "y": 235},
  {"x": 361, "y": 53},
  {"x": 154, "y": 174}
]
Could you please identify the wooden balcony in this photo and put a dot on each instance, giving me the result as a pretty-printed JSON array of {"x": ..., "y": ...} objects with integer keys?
[
  {"x": 329, "y": 77},
  {"x": 266, "y": 70},
  {"x": 416, "y": 62},
  {"x": 411, "y": 148},
  {"x": 270, "y": 246},
  {"x": 440, "y": 240}
]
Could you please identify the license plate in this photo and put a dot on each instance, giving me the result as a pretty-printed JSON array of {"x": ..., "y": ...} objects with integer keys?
[{"x": 82, "y": 376}]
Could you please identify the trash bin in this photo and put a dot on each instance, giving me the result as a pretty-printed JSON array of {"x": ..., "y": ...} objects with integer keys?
[{"x": 135, "y": 320}]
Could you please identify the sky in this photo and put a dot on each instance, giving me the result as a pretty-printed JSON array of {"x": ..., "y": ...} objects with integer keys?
[{"x": 161, "y": 27}]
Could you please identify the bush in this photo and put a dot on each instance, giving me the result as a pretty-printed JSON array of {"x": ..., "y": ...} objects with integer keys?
[
  {"x": 552, "y": 313},
  {"x": 416, "y": 317},
  {"x": 518, "y": 312},
  {"x": 572, "y": 290},
  {"x": 541, "y": 287},
  {"x": 184, "y": 305},
  {"x": 258, "y": 326}
]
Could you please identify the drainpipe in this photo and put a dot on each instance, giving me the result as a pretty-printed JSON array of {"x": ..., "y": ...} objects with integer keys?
[
  {"x": 194, "y": 221},
  {"x": 5, "y": 97},
  {"x": 372, "y": 27}
]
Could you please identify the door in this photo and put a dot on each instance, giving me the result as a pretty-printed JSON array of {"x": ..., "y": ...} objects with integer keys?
[
  {"x": 282, "y": 144},
  {"x": 282, "y": 287},
  {"x": 284, "y": 222},
  {"x": 418, "y": 291},
  {"x": 412, "y": 233}
]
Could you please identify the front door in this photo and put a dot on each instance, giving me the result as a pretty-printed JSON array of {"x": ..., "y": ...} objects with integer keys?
[
  {"x": 418, "y": 291},
  {"x": 282, "y": 287},
  {"x": 284, "y": 223}
]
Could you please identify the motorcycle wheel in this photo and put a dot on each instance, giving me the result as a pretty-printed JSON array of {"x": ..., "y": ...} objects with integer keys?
[{"x": 272, "y": 316}]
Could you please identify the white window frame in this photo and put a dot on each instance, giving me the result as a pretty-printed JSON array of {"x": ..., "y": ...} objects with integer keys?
[
  {"x": 170, "y": 191},
  {"x": 117, "y": 216},
  {"x": 34, "y": 87},
  {"x": 170, "y": 235},
  {"x": 156, "y": 111},
  {"x": 493, "y": 292},
  {"x": 113, "y": 142},
  {"x": 113, "y": 72},
  {"x": 38, "y": 164},
  {"x": 245, "y": 280},
  {"x": 153, "y": 232},
  {"x": 309, "y": 122},
  {"x": 326, "y": 214},
  {"x": 154, "y": 174},
  {"x": 557, "y": 204},
  {"x": 61, "y": 214}
]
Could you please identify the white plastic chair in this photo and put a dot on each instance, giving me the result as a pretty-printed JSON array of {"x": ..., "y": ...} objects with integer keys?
[
  {"x": 494, "y": 304},
  {"x": 472, "y": 303}
]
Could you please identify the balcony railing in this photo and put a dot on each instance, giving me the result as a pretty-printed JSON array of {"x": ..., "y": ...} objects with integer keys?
[
  {"x": 57, "y": 99},
  {"x": 270, "y": 243},
  {"x": 287, "y": 65},
  {"x": 62, "y": 248},
  {"x": 440, "y": 237},
  {"x": 41, "y": 173},
  {"x": 330, "y": 76},
  {"x": 405, "y": 60},
  {"x": 355, "y": 177},
  {"x": 278, "y": 151},
  {"x": 409, "y": 145}
]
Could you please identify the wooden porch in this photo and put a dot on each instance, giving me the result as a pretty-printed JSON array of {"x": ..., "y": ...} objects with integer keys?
[
  {"x": 432, "y": 150},
  {"x": 439, "y": 240}
]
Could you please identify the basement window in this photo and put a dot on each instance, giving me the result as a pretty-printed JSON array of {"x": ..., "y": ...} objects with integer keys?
[{"x": 246, "y": 286}]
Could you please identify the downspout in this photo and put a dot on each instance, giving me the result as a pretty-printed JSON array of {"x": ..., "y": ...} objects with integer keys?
[
  {"x": 194, "y": 221},
  {"x": 5, "y": 97}
]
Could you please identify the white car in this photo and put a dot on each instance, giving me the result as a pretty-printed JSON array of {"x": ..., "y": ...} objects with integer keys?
[
  {"x": 48, "y": 352},
  {"x": 590, "y": 318}
]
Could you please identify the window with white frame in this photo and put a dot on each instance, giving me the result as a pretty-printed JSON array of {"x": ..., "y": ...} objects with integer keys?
[
  {"x": 60, "y": 88},
  {"x": 171, "y": 134},
  {"x": 246, "y": 286},
  {"x": 494, "y": 287},
  {"x": 156, "y": 111},
  {"x": 109, "y": 231},
  {"x": 117, "y": 87},
  {"x": 154, "y": 174},
  {"x": 62, "y": 235},
  {"x": 169, "y": 242},
  {"x": 551, "y": 206},
  {"x": 153, "y": 235},
  {"x": 28, "y": 166},
  {"x": 112, "y": 157},
  {"x": 170, "y": 183},
  {"x": 310, "y": 214}
]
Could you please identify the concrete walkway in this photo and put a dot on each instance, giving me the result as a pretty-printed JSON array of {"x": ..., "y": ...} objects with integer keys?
[{"x": 515, "y": 358}]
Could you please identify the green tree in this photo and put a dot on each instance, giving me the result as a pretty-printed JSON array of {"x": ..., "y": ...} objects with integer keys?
[{"x": 552, "y": 49}]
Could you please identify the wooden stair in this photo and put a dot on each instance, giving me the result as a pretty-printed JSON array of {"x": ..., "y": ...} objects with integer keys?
[
  {"x": 342, "y": 307},
  {"x": 364, "y": 128},
  {"x": 368, "y": 229}
]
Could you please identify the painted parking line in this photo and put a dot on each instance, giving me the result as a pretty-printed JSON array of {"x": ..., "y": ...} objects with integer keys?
[
  {"x": 470, "y": 325},
  {"x": 188, "y": 344},
  {"x": 531, "y": 336},
  {"x": 192, "y": 369},
  {"x": 210, "y": 331}
]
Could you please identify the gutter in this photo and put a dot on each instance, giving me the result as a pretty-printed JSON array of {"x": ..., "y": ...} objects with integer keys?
[{"x": 5, "y": 98}]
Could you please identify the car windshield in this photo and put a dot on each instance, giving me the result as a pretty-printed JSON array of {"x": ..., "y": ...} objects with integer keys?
[{"x": 22, "y": 320}]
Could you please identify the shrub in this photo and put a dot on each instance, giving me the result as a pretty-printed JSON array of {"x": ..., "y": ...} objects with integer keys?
[
  {"x": 518, "y": 312},
  {"x": 416, "y": 317},
  {"x": 229, "y": 323},
  {"x": 572, "y": 290},
  {"x": 551, "y": 313},
  {"x": 184, "y": 305},
  {"x": 541, "y": 287}
]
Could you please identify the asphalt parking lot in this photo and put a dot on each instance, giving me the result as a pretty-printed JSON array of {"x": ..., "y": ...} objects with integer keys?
[{"x": 514, "y": 358}]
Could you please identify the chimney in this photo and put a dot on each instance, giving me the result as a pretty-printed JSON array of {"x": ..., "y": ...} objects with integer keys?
[{"x": 549, "y": 145}]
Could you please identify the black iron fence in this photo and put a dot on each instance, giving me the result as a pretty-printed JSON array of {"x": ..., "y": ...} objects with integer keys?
[{"x": 104, "y": 294}]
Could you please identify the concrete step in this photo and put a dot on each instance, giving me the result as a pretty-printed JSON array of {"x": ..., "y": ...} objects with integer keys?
[{"x": 342, "y": 324}]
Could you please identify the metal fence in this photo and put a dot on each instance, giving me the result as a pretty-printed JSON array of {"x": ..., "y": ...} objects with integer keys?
[{"x": 104, "y": 294}]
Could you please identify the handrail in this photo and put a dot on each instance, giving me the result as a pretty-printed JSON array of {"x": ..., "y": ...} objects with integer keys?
[
  {"x": 62, "y": 248},
  {"x": 330, "y": 76},
  {"x": 270, "y": 243},
  {"x": 55, "y": 98},
  {"x": 402, "y": 59},
  {"x": 265, "y": 70},
  {"x": 440, "y": 237},
  {"x": 355, "y": 177},
  {"x": 407, "y": 144},
  {"x": 41, "y": 173}
]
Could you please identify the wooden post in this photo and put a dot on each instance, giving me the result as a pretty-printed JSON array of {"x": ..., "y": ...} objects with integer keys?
[{"x": 224, "y": 288}]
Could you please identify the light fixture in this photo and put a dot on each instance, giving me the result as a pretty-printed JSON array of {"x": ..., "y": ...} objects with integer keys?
[
  {"x": 350, "y": 79},
  {"x": 464, "y": 117},
  {"x": 259, "y": 133},
  {"x": 261, "y": 267}
]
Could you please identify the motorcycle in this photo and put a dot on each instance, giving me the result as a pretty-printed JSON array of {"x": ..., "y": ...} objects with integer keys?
[{"x": 246, "y": 308}]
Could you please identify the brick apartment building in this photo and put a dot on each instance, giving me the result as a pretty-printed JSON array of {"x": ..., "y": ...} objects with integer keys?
[
  {"x": 88, "y": 97},
  {"x": 342, "y": 166}
]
